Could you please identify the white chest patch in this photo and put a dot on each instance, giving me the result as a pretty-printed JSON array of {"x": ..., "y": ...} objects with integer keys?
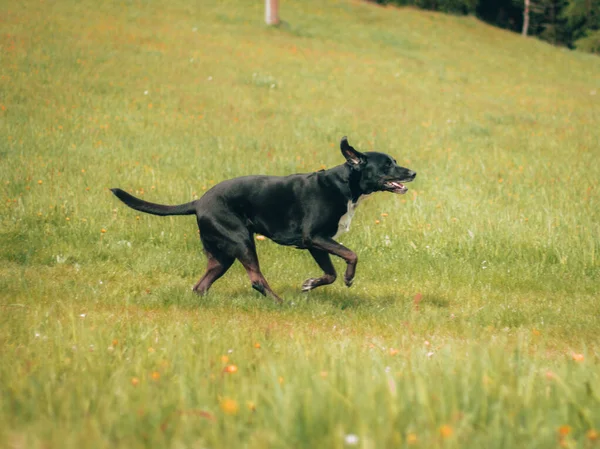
[{"x": 346, "y": 219}]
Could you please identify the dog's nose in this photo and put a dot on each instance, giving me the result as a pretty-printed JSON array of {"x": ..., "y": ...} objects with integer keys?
[{"x": 413, "y": 174}]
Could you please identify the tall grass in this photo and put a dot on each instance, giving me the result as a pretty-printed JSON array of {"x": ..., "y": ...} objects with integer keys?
[{"x": 473, "y": 321}]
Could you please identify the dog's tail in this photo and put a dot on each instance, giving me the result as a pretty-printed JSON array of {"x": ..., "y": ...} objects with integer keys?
[{"x": 152, "y": 208}]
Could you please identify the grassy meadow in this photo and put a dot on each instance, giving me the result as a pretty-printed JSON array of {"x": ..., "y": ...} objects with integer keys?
[{"x": 474, "y": 318}]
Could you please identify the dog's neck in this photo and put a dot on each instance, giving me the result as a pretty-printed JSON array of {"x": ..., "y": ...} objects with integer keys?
[
  {"x": 349, "y": 181},
  {"x": 354, "y": 184}
]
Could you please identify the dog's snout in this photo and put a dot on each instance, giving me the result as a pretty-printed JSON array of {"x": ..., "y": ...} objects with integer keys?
[{"x": 412, "y": 174}]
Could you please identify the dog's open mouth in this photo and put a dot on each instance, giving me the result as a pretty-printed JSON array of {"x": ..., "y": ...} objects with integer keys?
[{"x": 395, "y": 187}]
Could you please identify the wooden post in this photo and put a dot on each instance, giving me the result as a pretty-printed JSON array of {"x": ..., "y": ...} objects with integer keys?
[{"x": 272, "y": 12}]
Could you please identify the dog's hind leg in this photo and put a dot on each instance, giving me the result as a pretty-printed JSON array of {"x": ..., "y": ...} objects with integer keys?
[
  {"x": 214, "y": 270},
  {"x": 329, "y": 274},
  {"x": 228, "y": 237},
  {"x": 250, "y": 262}
]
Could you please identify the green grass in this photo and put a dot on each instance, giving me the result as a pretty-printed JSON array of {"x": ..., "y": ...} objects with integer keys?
[{"x": 102, "y": 344}]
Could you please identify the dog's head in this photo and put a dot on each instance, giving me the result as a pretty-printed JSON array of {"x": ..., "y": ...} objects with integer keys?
[{"x": 378, "y": 171}]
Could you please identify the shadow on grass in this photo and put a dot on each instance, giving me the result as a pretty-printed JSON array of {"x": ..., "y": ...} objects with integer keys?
[
  {"x": 245, "y": 299},
  {"x": 435, "y": 301},
  {"x": 350, "y": 299}
]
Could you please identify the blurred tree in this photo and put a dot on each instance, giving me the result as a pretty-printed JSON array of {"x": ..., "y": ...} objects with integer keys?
[
  {"x": 572, "y": 23},
  {"x": 272, "y": 12},
  {"x": 590, "y": 43},
  {"x": 526, "y": 8},
  {"x": 582, "y": 17},
  {"x": 552, "y": 26},
  {"x": 503, "y": 13},
  {"x": 541, "y": 18}
]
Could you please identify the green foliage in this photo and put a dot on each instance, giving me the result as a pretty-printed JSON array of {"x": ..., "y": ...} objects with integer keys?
[
  {"x": 589, "y": 43},
  {"x": 561, "y": 22},
  {"x": 578, "y": 12},
  {"x": 582, "y": 19},
  {"x": 473, "y": 320},
  {"x": 447, "y": 6}
]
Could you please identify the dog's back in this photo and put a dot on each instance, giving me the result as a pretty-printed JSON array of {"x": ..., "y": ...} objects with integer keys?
[{"x": 282, "y": 208}]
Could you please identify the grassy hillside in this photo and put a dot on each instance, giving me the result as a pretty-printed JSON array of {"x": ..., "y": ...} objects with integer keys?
[{"x": 474, "y": 317}]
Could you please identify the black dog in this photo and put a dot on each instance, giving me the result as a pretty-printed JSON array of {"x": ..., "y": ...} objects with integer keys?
[{"x": 304, "y": 210}]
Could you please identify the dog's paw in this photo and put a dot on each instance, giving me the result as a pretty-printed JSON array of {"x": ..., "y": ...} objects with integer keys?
[
  {"x": 197, "y": 291},
  {"x": 309, "y": 284},
  {"x": 348, "y": 282}
]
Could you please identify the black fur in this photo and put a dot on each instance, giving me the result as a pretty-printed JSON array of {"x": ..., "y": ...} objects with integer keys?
[{"x": 301, "y": 210}]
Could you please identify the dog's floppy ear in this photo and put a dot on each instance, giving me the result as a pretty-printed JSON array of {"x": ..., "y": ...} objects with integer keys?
[{"x": 354, "y": 158}]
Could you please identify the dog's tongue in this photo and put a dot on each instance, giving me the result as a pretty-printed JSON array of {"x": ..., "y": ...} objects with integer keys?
[{"x": 397, "y": 187}]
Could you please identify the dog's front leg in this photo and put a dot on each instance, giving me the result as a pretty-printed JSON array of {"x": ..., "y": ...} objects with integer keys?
[
  {"x": 337, "y": 249},
  {"x": 329, "y": 275}
]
